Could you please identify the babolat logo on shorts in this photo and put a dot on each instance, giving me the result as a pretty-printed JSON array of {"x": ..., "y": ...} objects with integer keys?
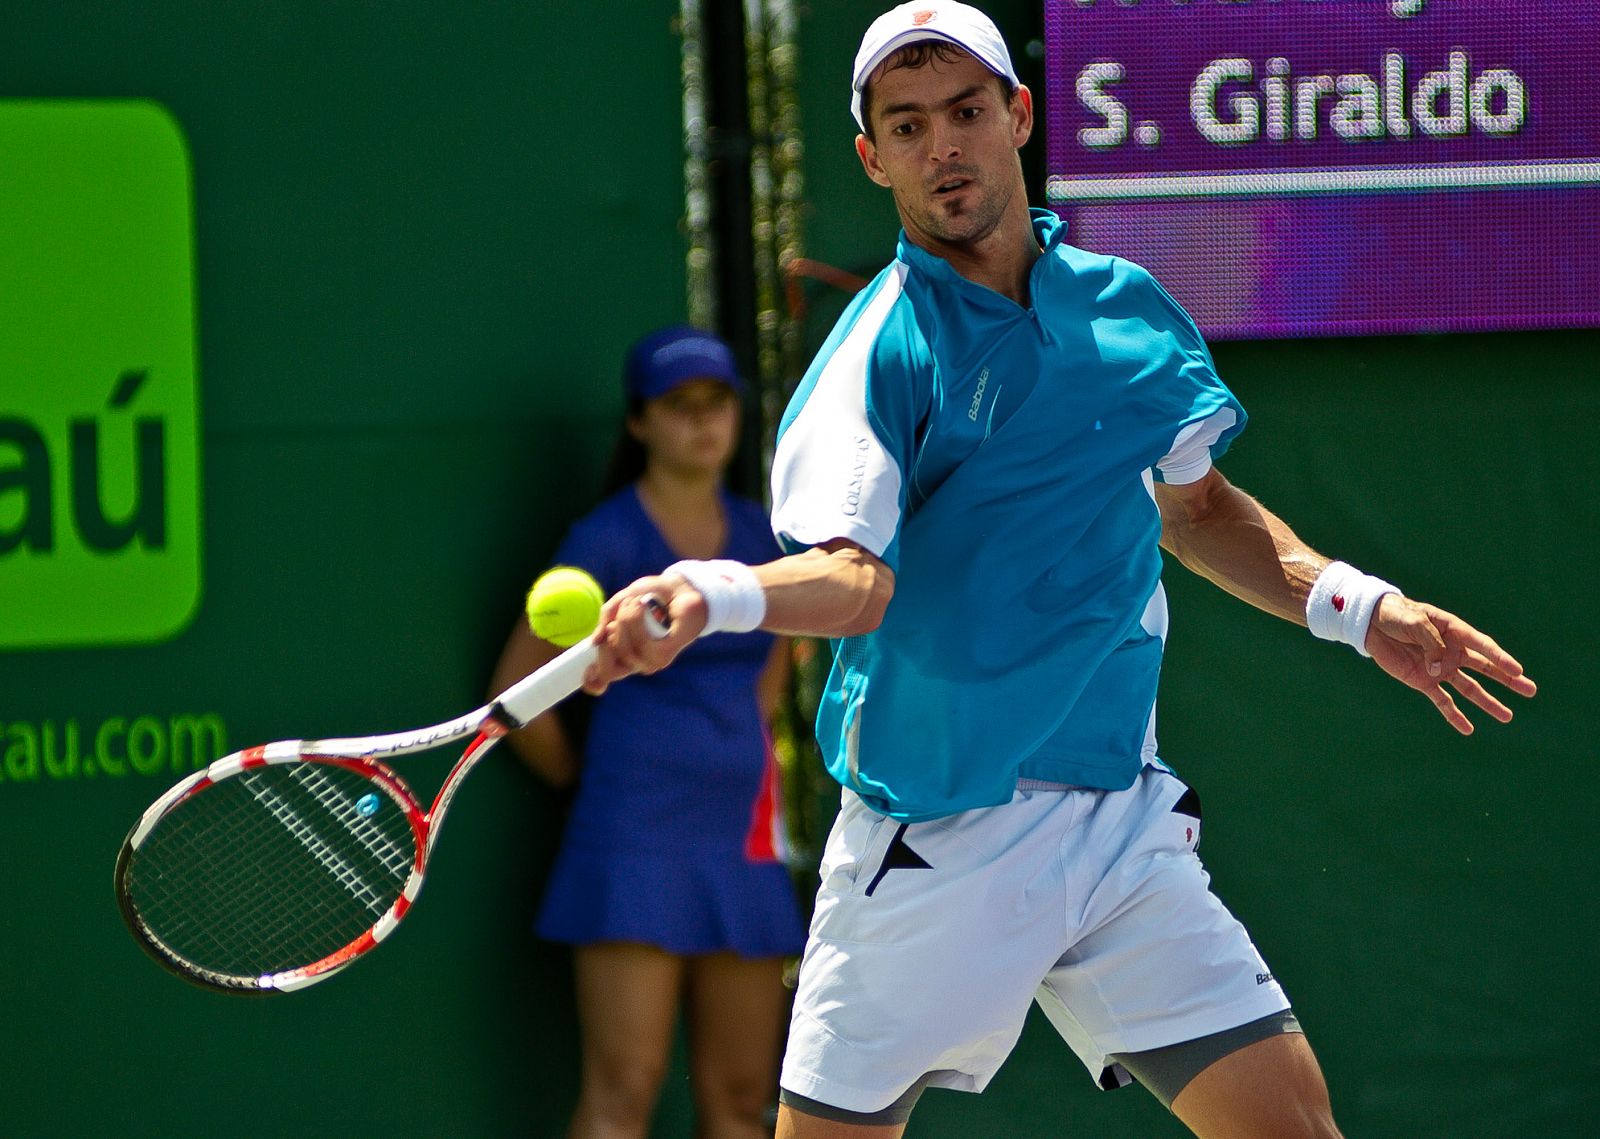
[{"x": 99, "y": 409}]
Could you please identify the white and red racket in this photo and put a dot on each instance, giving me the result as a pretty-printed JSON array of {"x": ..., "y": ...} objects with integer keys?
[{"x": 279, "y": 865}]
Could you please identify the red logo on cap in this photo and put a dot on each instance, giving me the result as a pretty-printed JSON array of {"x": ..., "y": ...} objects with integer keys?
[{"x": 922, "y": 17}]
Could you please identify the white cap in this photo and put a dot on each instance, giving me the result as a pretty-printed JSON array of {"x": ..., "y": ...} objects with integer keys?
[{"x": 960, "y": 24}]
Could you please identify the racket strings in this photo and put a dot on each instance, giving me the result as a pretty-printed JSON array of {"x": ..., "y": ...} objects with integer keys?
[
  {"x": 391, "y": 856},
  {"x": 273, "y": 869}
]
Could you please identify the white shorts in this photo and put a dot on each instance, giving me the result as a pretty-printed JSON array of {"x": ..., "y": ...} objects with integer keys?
[{"x": 930, "y": 939}]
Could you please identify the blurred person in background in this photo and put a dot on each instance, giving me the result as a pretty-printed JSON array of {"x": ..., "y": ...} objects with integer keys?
[{"x": 669, "y": 884}]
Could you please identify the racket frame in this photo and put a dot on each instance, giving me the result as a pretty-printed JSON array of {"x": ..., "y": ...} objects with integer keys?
[{"x": 516, "y": 706}]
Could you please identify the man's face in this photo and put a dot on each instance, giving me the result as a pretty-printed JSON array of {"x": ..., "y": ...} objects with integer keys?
[{"x": 945, "y": 142}]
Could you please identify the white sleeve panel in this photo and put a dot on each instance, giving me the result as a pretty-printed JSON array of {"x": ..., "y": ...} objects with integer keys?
[
  {"x": 832, "y": 476},
  {"x": 1189, "y": 458}
]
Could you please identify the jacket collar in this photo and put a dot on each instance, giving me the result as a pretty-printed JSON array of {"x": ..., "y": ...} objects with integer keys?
[{"x": 1048, "y": 230}]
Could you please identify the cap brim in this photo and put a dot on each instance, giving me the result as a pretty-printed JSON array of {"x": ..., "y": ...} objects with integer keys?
[{"x": 904, "y": 39}]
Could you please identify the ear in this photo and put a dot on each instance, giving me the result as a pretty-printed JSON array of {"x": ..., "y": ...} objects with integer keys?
[
  {"x": 635, "y": 427},
  {"x": 868, "y": 154},
  {"x": 1021, "y": 108}
]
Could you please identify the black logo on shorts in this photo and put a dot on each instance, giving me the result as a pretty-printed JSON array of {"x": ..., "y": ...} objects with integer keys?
[
  {"x": 1263, "y": 978},
  {"x": 899, "y": 856}
]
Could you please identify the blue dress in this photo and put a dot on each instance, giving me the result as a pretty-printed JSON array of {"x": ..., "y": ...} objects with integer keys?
[{"x": 670, "y": 838}]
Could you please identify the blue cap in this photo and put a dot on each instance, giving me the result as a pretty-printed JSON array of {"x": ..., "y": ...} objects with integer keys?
[{"x": 672, "y": 357}]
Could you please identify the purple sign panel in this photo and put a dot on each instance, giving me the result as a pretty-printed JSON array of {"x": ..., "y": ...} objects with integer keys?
[{"x": 1336, "y": 167}]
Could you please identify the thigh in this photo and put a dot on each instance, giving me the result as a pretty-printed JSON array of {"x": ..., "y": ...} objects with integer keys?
[
  {"x": 794, "y": 1124},
  {"x": 627, "y": 1003},
  {"x": 1272, "y": 1089},
  {"x": 737, "y": 1008},
  {"x": 1165, "y": 1072}
]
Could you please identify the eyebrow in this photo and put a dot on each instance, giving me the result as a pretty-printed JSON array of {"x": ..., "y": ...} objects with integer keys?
[{"x": 959, "y": 97}]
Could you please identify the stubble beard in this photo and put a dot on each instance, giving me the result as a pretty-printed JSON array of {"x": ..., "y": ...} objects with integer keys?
[{"x": 965, "y": 227}]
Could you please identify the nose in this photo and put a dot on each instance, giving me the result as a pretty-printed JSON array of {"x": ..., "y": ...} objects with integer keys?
[
  {"x": 942, "y": 146},
  {"x": 701, "y": 411}
]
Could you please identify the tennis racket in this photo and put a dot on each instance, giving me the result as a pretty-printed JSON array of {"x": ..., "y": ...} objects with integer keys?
[{"x": 279, "y": 865}]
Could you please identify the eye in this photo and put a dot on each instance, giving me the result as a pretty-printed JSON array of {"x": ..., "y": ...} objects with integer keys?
[
  {"x": 967, "y": 114},
  {"x": 902, "y": 130}
]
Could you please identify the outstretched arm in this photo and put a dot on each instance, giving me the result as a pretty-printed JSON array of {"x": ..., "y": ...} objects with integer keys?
[
  {"x": 1221, "y": 533},
  {"x": 836, "y": 589}
]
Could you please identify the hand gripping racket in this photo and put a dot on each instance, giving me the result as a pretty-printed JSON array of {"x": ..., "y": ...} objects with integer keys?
[{"x": 277, "y": 866}]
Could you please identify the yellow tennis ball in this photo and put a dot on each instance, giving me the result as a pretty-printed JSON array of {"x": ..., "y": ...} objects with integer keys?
[{"x": 564, "y": 605}]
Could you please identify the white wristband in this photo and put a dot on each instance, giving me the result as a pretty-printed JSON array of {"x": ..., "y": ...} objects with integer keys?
[
  {"x": 735, "y": 601},
  {"x": 1341, "y": 604}
]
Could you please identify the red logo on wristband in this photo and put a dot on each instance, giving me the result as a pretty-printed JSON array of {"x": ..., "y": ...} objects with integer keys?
[{"x": 1338, "y": 603}]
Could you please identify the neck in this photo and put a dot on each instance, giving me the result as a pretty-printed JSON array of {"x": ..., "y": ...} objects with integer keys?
[
  {"x": 1001, "y": 259},
  {"x": 686, "y": 510}
]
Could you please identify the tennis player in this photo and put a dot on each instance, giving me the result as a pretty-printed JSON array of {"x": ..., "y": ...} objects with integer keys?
[{"x": 973, "y": 482}]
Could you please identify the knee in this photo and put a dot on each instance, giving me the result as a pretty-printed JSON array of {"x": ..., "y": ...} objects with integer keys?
[
  {"x": 622, "y": 1089},
  {"x": 740, "y": 1098}
]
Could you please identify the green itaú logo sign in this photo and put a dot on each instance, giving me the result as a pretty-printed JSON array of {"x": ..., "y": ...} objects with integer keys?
[{"x": 99, "y": 407}]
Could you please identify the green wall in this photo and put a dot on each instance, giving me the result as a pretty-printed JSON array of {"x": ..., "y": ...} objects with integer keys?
[{"x": 423, "y": 236}]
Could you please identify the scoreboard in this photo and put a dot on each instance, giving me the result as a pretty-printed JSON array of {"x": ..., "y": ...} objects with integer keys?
[{"x": 1335, "y": 167}]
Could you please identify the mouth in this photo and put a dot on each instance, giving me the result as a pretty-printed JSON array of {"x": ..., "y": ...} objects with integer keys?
[{"x": 950, "y": 186}]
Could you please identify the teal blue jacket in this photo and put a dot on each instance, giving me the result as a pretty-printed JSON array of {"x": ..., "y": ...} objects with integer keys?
[{"x": 1001, "y": 460}]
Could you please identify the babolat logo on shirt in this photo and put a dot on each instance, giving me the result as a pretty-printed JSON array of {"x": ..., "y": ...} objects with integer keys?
[
  {"x": 977, "y": 395},
  {"x": 99, "y": 410}
]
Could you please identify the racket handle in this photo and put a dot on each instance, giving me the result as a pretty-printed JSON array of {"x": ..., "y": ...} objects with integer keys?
[{"x": 546, "y": 687}]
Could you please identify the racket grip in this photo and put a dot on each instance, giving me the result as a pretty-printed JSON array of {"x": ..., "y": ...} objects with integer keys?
[
  {"x": 655, "y": 616},
  {"x": 546, "y": 687}
]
